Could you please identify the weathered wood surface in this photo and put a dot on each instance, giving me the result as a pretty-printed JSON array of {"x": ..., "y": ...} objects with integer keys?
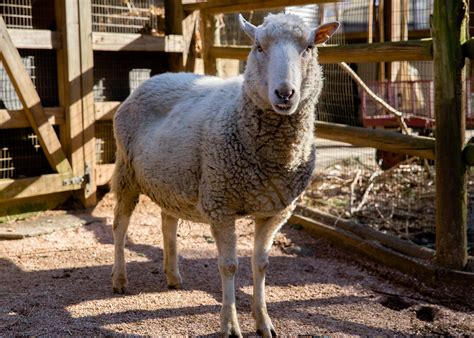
[
  {"x": 106, "y": 110},
  {"x": 208, "y": 29},
  {"x": 137, "y": 42},
  {"x": 103, "y": 173},
  {"x": 229, "y": 6},
  {"x": 70, "y": 94},
  {"x": 174, "y": 16},
  {"x": 11, "y": 189},
  {"x": 414, "y": 50},
  {"x": 420, "y": 269},
  {"x": 368, "y": 233},
  {"x": 378, "y": 138},
  {"x": 449, "y": 33},
  {"x": 87, "y": 99},
  {"x": 35, "y": 38},
  {"x": 31, "y": 102},
  {"x": 18, "y": 119}
]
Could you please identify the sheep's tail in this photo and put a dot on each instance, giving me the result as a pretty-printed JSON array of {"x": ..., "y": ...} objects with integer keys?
[{"x": 123, "y": 178}]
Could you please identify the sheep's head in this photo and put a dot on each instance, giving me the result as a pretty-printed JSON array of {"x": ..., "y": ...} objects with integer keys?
[{"x": 282, "y": 67}]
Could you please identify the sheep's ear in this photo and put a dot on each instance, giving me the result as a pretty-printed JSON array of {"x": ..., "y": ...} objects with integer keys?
[
  {"x": 324, "y": 32},
  {"x": 247, "y": 27}
]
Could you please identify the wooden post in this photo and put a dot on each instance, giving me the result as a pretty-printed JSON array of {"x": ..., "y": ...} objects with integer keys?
[
  {"x": 174, "y": 16},
  {"x": 77, "y": 104},
  {"x": 449, "y": 32},
  {"x": 208, "y": 26},
  {"x": 87, "y": 84}
]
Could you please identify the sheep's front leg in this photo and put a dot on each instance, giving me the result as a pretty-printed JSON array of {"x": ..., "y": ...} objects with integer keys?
[
  {"x": 225, "y": 237},
  {"x": 265, "y": 230},
  {"x": 169, "y": 226}
]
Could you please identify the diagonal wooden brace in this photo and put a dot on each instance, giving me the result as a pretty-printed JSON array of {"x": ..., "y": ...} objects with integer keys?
[{"x": 31, "y": 102}]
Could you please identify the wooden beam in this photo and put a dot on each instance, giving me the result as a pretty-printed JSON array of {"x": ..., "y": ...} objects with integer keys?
[
  {"x": 378, "y": 138},
  {"x": 229, "y": 6},
  {"x": 174, "y": 16},
  {"x": 103, "y": 173},
  {"x": 449, "y": 32},
  {"x": 31, "y": 102},
  {"x": 106, "y": 110},
  {"x": 35, "y": 38},
  {"x": 137, "y": 42},
  {"x": 208, "y": 30},
  {"x": 414, "y": 50},
  {"x": 88, "y": 114},
  {"x": 364, "y": 231},
  {"x": 420, "y": 269},
  {"x": 11, "y": 189},
  {"x": 17, "y": 118}
]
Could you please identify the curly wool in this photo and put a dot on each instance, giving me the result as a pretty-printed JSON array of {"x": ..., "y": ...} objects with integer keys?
[{"x": 210, "y": 150}]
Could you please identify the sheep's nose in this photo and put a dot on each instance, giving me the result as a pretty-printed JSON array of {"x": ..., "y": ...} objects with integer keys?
[{"x": 285, "y": 92}]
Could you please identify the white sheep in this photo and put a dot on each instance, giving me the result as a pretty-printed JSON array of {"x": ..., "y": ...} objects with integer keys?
[{"x": 212, "y": 150}]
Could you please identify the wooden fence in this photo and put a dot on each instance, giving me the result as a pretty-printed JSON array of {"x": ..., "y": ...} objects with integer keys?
[{"x": 72, "y": 156}]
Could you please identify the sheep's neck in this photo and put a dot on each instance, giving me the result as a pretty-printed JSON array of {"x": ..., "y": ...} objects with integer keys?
[{"x": 276, "y": 140}]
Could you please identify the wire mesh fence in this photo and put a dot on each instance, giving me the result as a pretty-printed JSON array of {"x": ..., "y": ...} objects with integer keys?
[
  {"x": 21, "y": 154},
  {"x": 128, "y": 16},
  {"x": 117, "y": 74},
  {"x": 28, "y": 14},
  {"x": 104, "y": 142},
  {"x": 41, "y": 66}
]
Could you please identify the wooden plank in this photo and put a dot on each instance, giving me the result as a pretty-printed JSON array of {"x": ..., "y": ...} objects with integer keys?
[
  {"x": 31, "y": 102},
  {"x": 393, "y": 242},
  {"x": 378, "y": 138},
  {"x": 34, "y": 186},
  {"x": 189, "y": 29},
  {"x": 106, "y": 110},
  {"x": 208, "y": 28},
  {"x": 449, "y": 32},
  {"x": 17, "y": 118},
  {"x": 35, "y": 38},
  {"x": 103, "y": 173},
  {"x": 174, "y": 16},
  {"x": 69, "y": 69},
  {"x": 414, "y": 50},
  {"x": 420, "y": 269},
  {"x": 88, "y": 114},
  {"x": 229, "y": 6},
  {"x": 137, "y": 42}
]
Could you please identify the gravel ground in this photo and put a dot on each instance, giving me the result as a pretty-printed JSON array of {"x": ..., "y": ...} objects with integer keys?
[{"x": 60, "y": 284}]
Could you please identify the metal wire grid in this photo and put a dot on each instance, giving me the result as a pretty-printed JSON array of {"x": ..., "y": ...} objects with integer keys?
[
  {"x": 28, "y": 14},
  {"x": 104, "y": 142},
  {"x": 117, "y": 74},
  {"x": 128, "y": 16},
  {"x": 42, "y": 68},
  {"x": 8, "y": 96},
  {"x": 21, "y": 154}
]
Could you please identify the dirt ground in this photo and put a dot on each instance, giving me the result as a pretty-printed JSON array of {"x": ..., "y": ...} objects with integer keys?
[{"x": 60, "y": 284}]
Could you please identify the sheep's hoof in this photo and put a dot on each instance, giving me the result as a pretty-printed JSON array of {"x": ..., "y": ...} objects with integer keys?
[
  {"x": 175, "y": 286},
  {"x": 119, "y": 290},
  {"x": 119, "y": 284},
  {"x": 174, "y": 281}
]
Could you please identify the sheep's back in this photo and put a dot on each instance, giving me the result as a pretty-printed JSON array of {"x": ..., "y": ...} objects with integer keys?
[{"x": 161, "y": 127}]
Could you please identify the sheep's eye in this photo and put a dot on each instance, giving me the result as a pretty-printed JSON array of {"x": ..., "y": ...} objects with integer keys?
[
  {"x": 309, "y": 48},
  {"x": 259, "y": 48}
]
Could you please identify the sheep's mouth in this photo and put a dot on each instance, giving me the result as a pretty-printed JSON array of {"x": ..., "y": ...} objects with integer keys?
[{"x": 285, "y": 109}]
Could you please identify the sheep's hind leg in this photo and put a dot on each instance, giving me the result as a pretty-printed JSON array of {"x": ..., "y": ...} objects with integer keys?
[
  {"x": 123, "y": 211},
  {"x": 265, "y": 230},
  {"x": 169, "y": 226},
  {"x": 225, "y": 237}
]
